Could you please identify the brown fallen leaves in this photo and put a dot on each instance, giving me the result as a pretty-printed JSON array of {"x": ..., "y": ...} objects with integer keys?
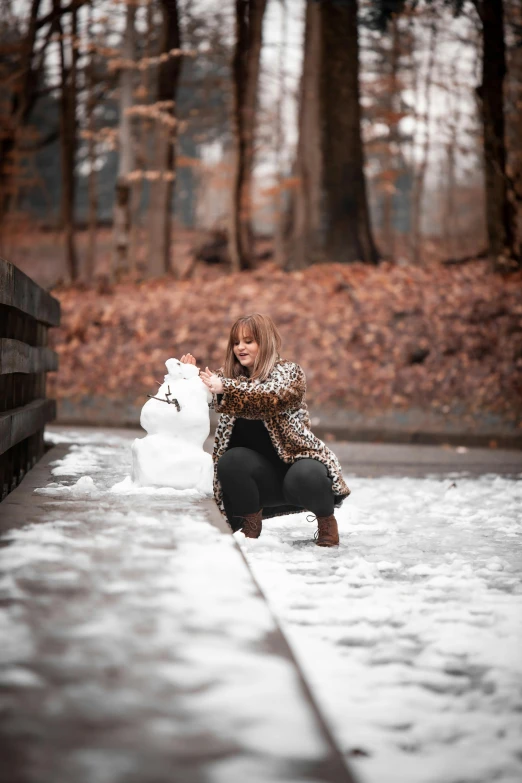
[{"x": 370, "y": 339}]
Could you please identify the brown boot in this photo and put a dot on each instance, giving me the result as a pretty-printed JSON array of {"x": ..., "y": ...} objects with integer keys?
[
  {"x": 252, "y": 525},
  {"x": 327, "y": 533}
]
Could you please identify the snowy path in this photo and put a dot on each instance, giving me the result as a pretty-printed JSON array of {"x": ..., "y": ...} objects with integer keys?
[
  {"x": 411, "y": 633},
  {"x": 118, "y": 625},
  {"x": 135, "y": 646}
]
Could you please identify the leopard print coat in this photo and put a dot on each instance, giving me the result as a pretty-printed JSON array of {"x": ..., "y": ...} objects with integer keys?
[{"x": 279, "y": 402}]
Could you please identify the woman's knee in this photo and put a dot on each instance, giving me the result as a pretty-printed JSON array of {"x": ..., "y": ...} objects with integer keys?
[
  {"x": 234, "y": 461},
  {"x": 308, "y": 484},
  {"x": 307, "y": 476}
]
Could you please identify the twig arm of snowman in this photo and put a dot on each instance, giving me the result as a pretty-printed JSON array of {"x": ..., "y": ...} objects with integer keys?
[{"x": 283, "y": 390}]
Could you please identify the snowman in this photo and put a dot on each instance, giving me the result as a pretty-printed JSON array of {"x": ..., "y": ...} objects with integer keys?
[{"x": 177, "y": 422}]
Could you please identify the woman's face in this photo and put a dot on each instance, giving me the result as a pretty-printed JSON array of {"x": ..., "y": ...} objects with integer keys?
[{"x": 246, "y": 348}]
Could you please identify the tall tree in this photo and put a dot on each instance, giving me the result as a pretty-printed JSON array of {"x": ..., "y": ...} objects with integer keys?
[
  {"x": 500, "y": 211},
  {"x": 304, "y": 245},
  {"x": 23, "y": 66},
  {"x": 68, "y": 132},
  {"x": 92, "y": 185},
  {"x": 141, "y": 135},
  {"x": 419, "y": 177},
  {"x": 22, "y": 98},
  {"x": 245, "y": 72},
  {"x": 393, "y": 116},
  {"x": 513, "y": 11},
  {"x": 331, "y": 214},
  {"x": 279, "y": 216},
  {"x": 346, "y": 219},
  {"x": 122, "y": 197},
  {"x": 162, "y": 187}
]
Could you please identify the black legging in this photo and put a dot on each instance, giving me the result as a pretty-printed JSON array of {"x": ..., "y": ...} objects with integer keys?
[{"x": 250, "y": 482}]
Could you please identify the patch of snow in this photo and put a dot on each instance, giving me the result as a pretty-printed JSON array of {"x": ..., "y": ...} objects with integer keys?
[
  {"x": 20, "y": 678},
  {"x": 82, "y": 459},
  {"x": 87, "y": 436},
  {"x": 128, "y": 487},
  {"x": 410, "y": 631},
  {"x": 84, "y": 486}
]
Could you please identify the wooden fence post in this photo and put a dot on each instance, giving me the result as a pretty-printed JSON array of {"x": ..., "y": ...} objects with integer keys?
[{"x": 26, "y": 313}]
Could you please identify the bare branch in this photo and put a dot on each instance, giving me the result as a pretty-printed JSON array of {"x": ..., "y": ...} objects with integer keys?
[
  {"x": 56, "y": 12},
  {"x": 51, "y": 137}
]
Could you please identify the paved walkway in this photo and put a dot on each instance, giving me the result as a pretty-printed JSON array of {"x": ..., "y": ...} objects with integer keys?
[
  {"x": 137, "y": 647},
  {"x": 383, "y": 459}
]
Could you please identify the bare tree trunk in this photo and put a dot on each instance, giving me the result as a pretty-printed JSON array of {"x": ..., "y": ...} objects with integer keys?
[
  {"x": 500, "y": 213},
  {"x": 452, "y": 121},
  {"x": 393, "y": 143},
  {"x": 135, "y": 223},
  {"x": 162, "y": 189},
  {"x": 141, "y": 149},
  {"x": 22, "y": 100},
  {"x": 514, "y": 141},
  {"x": 306, "y": 213},
  {"x": 245, "y": 68},
  {"x": 122, "y": 196},
  {"x": 92, "y": 185},
  {"x": 68, "y": 142},
  {"x": 348, "y": 236},
  {"x": 279, "y": 214},
  {"x": 21, "y": 96},
  {"x": 420, "y": 175}
]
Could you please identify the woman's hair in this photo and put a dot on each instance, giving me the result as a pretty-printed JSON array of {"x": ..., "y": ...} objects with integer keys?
[{"x": 264, "y": 331}]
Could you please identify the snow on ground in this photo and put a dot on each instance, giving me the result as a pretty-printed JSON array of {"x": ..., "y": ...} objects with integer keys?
[
  {"x": 410, "y": 633},
  {"x": 134, "y": 640}
]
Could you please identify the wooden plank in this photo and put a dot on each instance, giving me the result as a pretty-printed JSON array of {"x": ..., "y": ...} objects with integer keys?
[
  {"x": 16, "y": 356},
  {"x": 19, "y": 291},
  {"x": 5, "y": 432},
  {"x": 19, "y": 423},
  {"x": 18, "y": 461}
]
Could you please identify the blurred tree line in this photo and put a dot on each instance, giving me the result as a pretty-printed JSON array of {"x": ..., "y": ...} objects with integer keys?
[{"x": 118, "y": 111}]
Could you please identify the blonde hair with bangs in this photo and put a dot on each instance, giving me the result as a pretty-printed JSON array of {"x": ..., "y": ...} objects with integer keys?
[{"x": 265, "y": 333}]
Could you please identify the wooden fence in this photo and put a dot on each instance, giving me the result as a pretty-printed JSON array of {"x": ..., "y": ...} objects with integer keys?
[{"x": 26, "y": 313}]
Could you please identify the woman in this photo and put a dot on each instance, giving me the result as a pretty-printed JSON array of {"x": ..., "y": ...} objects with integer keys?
[{"x": 267, "y": 462}]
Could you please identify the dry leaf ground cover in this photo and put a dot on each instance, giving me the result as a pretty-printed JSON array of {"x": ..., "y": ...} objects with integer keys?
[{"x": 369, "y": 339}]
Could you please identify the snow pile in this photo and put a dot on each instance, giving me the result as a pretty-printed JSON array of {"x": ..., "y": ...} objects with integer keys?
[
  {"x": 85, "y": 486},
  {"x": 83, "y": 459},
  {"x": 411, "y": 632}
]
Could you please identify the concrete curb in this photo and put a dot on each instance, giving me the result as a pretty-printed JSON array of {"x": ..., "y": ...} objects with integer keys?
[{"x": 336, "y": 764}]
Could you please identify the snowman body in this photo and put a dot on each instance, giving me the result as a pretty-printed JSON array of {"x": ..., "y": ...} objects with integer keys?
[{"x": 177, "y": 425}]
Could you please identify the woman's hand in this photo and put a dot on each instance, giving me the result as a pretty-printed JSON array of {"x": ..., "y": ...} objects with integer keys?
[
  {"x": 187, "y": 358},
  {"x": 212, "y": 381}
]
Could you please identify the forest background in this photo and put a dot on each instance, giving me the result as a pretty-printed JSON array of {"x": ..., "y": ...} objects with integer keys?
[{"x": 354, "y": 169}]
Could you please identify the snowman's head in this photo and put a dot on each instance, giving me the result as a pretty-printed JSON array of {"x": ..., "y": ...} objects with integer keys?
[{"x": 179, "y": 370}]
